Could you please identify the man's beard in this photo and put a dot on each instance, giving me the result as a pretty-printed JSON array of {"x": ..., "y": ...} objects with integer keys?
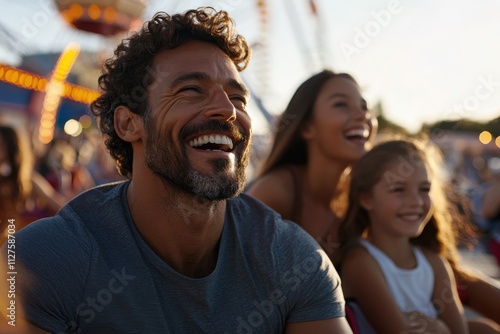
[{"x": 173, "y": 167}]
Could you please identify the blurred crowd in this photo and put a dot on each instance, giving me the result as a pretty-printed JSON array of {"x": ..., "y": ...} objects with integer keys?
[{"x": 37, "y": 180}]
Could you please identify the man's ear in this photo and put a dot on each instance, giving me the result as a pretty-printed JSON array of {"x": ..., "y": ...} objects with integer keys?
[{"x": 128, "y": 126}]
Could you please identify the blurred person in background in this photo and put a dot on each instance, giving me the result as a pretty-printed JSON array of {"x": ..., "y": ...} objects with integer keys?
[
  {"x": 24, "y": 194},
  {"x": 61, "y": 167},
  {"x": 490, "y": 209},
  {"x": 96, "y": 158}
]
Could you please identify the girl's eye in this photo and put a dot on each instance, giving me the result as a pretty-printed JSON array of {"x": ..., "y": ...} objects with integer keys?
[
  {"x": 425, "y": 189},
  {"x": 340, "y": 104},
  {"x": 397, "y": 189}
]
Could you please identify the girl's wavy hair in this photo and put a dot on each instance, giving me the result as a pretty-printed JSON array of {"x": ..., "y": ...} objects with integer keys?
[
  {"x": 128, "y": 74},
  {"x": 441, "y": 233}
]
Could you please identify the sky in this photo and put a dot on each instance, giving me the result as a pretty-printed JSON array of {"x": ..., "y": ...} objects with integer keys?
[{"x": 423, "y": 60}]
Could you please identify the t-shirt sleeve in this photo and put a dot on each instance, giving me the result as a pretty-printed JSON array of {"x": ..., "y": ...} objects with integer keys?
[
  {"x": 52, "y": 263},
  {"x": 310, "y": 280}
]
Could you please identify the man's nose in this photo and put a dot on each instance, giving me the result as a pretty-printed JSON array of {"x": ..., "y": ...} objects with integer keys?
[{"x": 220, "y": 106}]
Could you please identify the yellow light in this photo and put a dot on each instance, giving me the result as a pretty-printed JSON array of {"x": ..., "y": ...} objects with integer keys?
[
  {"x": 46, "y": 124},
  {"x": 47, "y": 117},
  {"x": 497, "y": 141},
  {"x": 94, "y": 11},
  {"x": 22, "y": 79},
  {"x": 109, "y": 14},
  {"x": 8, "y": 75},
  {"x": 54, "y": 89},
  {"x": 46, "y": 132},
  {"x": 41, "y": 85},
  {"x": 46, "y": 139},
  {"x": 75, "y": 11},
  {"x": 75, "y": 93},
  {"x": 15, "y": 77},
  {"x": 28, "y": 81},
  {"x": 52, "y": 99},
  {"x": 66, "y": 14},
  {"x": 67, "y": 90},
  {"x": 57, "y": 85},
  {"x": 485, "y": 137}
]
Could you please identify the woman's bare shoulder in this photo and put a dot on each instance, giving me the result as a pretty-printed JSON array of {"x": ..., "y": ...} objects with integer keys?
[{"x": 276, "y": 189}]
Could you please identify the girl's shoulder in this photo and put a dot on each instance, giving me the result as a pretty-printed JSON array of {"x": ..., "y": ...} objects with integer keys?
[
  {"x": 356, "y": 268},
  {"x": 439, "y": 263},
  {"x": 431, "y": 256},
  {"x": 355, "y": 255}
]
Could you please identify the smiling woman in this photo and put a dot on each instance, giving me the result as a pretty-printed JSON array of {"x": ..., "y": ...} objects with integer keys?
[{"x": 325, "y": 128}]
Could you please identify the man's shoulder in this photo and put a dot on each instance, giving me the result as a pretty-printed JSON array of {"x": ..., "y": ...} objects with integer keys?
[
  {"x": 94, "y": 205},
  {"x": 247, "y": 208},
  {"x": 69, "y": 227},
  {"x": 98, "y": 196},
  {"x": 257, "y": 218},
  {"x": 251, "y": 204}
]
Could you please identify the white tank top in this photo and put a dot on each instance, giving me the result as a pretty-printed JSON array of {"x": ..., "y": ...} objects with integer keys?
[{"x": 411, "y": 288}]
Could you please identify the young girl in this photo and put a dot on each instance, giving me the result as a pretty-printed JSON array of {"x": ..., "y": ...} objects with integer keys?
[{"x": 395, "y": 237}]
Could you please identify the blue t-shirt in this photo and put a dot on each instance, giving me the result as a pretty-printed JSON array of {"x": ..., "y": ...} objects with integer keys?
[{"x": 91, "y": 272}]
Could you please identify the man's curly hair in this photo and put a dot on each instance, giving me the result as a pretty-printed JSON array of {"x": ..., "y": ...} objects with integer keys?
[{"x": 128, "y": 74}]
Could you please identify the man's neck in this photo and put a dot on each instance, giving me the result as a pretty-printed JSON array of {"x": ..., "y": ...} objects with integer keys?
[{"x": 182, "y": 229}]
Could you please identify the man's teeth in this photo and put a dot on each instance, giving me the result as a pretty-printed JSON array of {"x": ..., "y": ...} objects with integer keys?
[{"x": 213, "y": 139}]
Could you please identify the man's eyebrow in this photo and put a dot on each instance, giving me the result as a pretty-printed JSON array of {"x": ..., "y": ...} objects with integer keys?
[
  {"x": 239, "y": 86},
  {"x": 201, "y": 76},
  {"x": 188, "y": 77}
]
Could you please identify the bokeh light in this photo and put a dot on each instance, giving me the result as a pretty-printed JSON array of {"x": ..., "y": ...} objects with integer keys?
[{"x": 73, "y": 128}]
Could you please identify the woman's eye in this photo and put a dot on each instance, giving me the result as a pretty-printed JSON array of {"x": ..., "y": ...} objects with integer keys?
[
  {"x": 340, "y": 104},
  {"x": 397, "y": 189}
]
